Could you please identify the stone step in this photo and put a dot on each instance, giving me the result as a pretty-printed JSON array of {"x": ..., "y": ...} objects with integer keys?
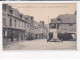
[{"x": 55, "y": 40}]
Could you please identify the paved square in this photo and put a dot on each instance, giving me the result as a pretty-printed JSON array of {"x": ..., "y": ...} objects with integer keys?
[{"x": 40, "y": 44}]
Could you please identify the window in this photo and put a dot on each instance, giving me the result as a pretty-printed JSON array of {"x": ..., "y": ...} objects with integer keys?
[
  {"x": 4, "y": 14},
  {"x": 19, "y": 23},
  {"x": 54, "y": 26},
  {"x": 11, "y": 11},
  {"x": 4, "y": 6},
  {"x": 31, "y": 18},
  {"x": 71, "y": 24},
  {"x": 59, "y": 19},
  {"x": 15, "y": 22},
  {"x": 10, "y": 23},
  {"x": 58, "y": 26},
  {"x": 4, "y": 21},
  {"x": 26, "y": 18},
  {"x": 25, "y": 25},
  {"x": 21, "y": 16}
]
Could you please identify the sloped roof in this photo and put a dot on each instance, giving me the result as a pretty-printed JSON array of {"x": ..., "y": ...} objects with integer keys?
[
  {"x": 67, "y": 18},
  {"x": 16, "y": 13},
  {"x": 25, "y": 17}
]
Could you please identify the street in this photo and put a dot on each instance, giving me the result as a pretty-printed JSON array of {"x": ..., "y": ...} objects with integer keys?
[{"x": 40, "y": 44}]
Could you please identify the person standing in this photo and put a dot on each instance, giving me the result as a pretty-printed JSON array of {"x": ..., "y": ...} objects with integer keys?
[{"x": 12, "y": 37}]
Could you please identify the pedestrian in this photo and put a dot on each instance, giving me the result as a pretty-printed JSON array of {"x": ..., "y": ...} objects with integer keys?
[
  {"x": 12, "y": 37},
  {"x": 61, "y": 40},
  {"x": 17, "y": 36}
]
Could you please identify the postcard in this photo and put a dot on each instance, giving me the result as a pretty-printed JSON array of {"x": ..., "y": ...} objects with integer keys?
[{"x": 39, "y": 26}]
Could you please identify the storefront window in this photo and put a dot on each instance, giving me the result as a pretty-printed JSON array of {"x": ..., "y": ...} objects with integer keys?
[{"x": 10, "y": 22}]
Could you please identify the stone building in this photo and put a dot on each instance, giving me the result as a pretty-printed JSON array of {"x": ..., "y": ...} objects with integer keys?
[
  {"x": 41, "y": 30},
  {"x": 64, "y": 27},
  {"x": 13, "y": 24},
  {"x": 17, "y": 26}
]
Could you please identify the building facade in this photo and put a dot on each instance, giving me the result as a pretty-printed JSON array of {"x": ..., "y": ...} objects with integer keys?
[
  {"x": 17, "y": 26},
  {"x": 41, "y": 30},
  {"x": 65, "y": 26}
]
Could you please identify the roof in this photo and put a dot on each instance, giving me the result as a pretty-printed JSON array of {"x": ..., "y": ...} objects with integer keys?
[{"x": 67, "y": 18}]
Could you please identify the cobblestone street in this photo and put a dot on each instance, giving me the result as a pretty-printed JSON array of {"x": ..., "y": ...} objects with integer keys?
[{"x": 40, "y": 44}]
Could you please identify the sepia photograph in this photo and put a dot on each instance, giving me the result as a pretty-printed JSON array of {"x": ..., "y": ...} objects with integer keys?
[{"x": 39, "y": 26}]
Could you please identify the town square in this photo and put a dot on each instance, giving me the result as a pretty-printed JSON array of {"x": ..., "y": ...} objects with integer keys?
[{"x": 39, "y": 26}]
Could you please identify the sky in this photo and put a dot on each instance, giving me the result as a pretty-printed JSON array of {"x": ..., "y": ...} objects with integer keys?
[{"x": 45, "y": 11}]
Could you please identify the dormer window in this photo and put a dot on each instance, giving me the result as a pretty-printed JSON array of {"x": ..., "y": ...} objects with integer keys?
[
  {"x": 11, "y": 11},
  {"x": 31, "y": 18},
  {"x": 10, "y": 6},
  {"x": 21, "y": 16},
  {"x": 59, "y": 19},
  {"x": 54, "y": 26},
  {"x": 26, "y": 19}
]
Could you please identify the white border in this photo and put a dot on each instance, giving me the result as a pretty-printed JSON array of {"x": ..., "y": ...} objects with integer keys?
[
  {"x": 42, "y": 54},
  {"x": 40, "y": 1},
  {"x": 78, "y": 25},
  {"x": 0, "y": 26}
]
